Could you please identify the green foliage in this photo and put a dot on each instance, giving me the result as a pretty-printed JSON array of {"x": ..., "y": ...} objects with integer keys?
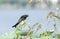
[{"x": 58, "y": 36}]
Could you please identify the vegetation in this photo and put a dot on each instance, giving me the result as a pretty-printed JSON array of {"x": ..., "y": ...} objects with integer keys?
[{"x": 18, "y": 33}]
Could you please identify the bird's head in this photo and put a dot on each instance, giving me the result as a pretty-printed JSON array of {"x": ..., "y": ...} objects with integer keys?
[{"x": 23, "y": 17}]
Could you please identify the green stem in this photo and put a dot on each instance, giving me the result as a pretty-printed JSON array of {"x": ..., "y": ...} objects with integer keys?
[{"x": 57, "y": 16}]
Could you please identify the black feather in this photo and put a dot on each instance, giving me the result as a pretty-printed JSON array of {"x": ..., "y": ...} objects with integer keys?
[
  {"x": 22, "y": 18},
  {"x": 15, "y": 25}
]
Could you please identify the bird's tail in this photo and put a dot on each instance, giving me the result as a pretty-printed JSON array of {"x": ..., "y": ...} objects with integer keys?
[{"x": 15, "y": 25}]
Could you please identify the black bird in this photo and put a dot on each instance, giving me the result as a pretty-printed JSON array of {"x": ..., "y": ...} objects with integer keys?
[{"x": 22, "y": 18}]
